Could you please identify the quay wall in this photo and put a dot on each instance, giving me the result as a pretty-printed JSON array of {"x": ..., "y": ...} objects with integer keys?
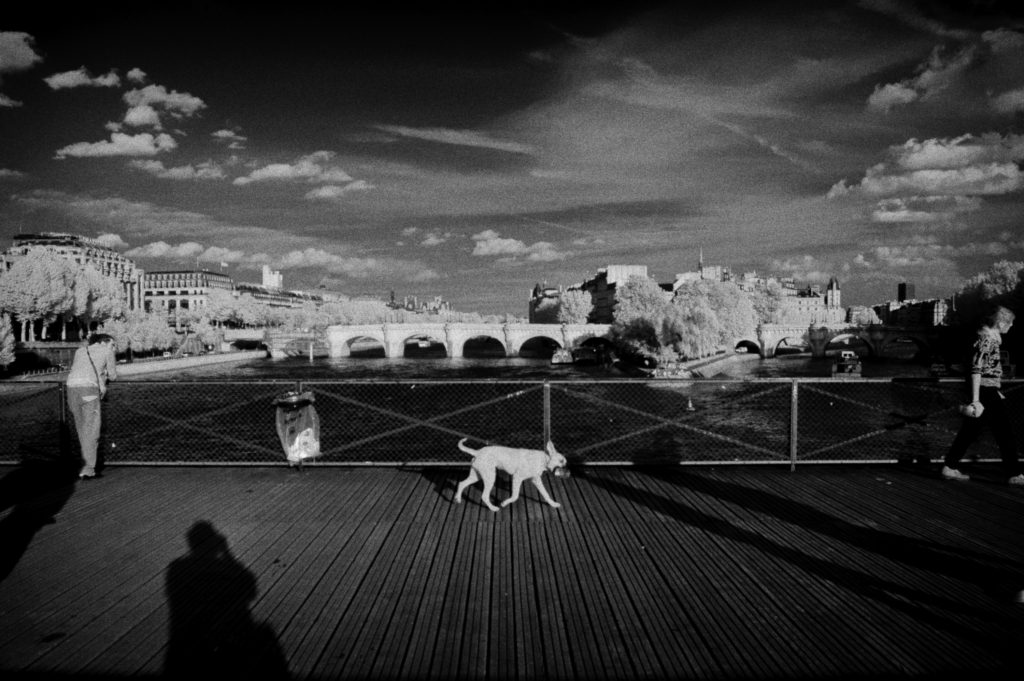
[
  {"x": 176, "y": 363},
  {"x": 158, "y": 364}
]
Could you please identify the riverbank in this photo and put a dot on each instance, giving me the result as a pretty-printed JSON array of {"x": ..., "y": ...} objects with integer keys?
[{"x": 161, "y": 364}]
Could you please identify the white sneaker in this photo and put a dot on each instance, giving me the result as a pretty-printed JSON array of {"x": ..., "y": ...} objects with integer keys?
[
  {"x": 1017, "y": 479},
  {"x": 953, "y": 474}
]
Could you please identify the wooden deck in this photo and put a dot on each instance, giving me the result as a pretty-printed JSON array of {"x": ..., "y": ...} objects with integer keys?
[{"x": 373, "y": 573}]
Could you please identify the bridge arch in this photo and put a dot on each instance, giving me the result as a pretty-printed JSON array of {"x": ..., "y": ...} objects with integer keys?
[
  {"x": 483, "y": 345},
  {"x": 851, "y": 340},
  {"x": 748, "y": 345},
  {"x": 541, "y": 345}
]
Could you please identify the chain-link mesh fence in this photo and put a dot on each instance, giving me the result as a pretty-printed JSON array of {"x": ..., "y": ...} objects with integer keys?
[{"x": 591, "y": 422}]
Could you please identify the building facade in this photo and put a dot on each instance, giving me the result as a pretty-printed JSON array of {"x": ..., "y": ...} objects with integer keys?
[
  {"x": 173, "y": 291},
  {"x": 602, "y": 290},
  {"x": 81, "y": 251}
]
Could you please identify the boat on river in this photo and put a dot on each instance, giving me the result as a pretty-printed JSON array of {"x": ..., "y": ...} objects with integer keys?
[
  {"x": 562, "y": 356},
  {"x": 847, "y": 364}
]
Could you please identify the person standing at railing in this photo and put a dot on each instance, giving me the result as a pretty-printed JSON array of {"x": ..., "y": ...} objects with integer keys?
[
  {"x": 93, "y": 365},
  {"x": 988, "y": 405}
]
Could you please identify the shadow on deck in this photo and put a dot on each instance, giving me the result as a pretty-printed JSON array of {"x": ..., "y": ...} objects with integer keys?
[{"x": 684, "y": 572}]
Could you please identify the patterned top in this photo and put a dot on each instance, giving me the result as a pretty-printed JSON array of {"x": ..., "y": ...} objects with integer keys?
[{"x": 985, "y": 360}]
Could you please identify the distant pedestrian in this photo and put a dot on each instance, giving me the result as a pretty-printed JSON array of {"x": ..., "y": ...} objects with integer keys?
[
  {"x": 988, "y": 405},
  {"x": 93, "y": 365}
]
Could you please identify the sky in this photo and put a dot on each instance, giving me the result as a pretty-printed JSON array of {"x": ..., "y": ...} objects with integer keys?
[{"x": 472, "y": 154}]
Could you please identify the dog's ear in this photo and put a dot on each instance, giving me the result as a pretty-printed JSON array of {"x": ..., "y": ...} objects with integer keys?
[{"x": 550, "y": 448}]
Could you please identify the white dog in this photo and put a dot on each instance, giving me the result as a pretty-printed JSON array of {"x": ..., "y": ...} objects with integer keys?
[{"x": 521, "y": 464}]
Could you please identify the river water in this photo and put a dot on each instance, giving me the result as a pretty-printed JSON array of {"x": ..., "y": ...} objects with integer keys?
[{"x": 507, "y": 368}]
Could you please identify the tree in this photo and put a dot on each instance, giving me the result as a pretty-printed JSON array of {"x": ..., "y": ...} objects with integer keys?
[
  {"x": 145, "y": 331},
  {"x": 733, "y": 308},
  {"x": 865, "y": 316},
  {"x": 7, "y": 342},
  {"x": 574, "y": 307},
  {"x": 1002, "y": 283},
  {"x": 95, "y": 298},
  {"x": 692, "y": 328},
  {"x": 547, "y": 311},
  {"x": 767, "y": 303},
  {"x": 639, "y": 298},
  {"x": 38, "y": 287},
  {"x": 220, "y": 307}
]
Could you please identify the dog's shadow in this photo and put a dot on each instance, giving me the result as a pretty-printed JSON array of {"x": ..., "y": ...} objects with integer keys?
[{"x": 445, "y": 479}]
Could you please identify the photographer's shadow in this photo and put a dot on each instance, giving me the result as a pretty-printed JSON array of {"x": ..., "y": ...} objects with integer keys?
[
  {"x": 212, "y": 631},
  {"x": 35, "y": 491}
]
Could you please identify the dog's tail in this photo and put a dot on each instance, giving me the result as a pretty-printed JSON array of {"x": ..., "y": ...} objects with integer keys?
[{"x": 463, "y": 447}]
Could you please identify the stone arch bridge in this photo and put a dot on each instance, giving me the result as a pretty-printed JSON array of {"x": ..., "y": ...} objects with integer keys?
[
  {"x": 878, "y": 338},
  {"x": 454, "y": 336}
]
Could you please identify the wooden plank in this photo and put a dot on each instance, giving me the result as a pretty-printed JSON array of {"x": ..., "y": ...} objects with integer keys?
[
  {"x": 423, "y": 547},
  {"x": 425, "y": 627},
  {"x": 371, "y": 615},
  {"x": 343, "y": 562},
  {"x": 743, "y": 571}
]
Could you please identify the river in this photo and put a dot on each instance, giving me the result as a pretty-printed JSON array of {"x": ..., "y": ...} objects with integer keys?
[{"x": 505, "y": 368}]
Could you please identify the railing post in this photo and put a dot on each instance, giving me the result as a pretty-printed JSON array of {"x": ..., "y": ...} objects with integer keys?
[
  {"x": 547, "y": 413},
  {"x": 793, "y": 411}
]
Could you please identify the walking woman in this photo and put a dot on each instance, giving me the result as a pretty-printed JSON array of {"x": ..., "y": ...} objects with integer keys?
[
  {"x": 988, "y": 405},
  {"x": 91, "y": 368}
]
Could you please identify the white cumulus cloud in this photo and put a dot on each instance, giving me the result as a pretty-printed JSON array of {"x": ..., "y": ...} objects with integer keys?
[
  {"x": 201, "y": 171},
  {"x": 17, "y": 53},
  {"x": 490, "y": 243},
  {"x": 120, "y": 144},
  {"x": 162, "y": 249},
  {"x": 177, "y": 104},
  {"x": 313, "y": 168},
  {"x": 81, "y": 77}
]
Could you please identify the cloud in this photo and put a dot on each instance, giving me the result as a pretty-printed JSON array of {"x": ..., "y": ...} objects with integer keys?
[
  {"x": 466, "y": 138},
  {"x": 490, "y": 243},
  {"x": 112, "y": 241},
  {"x": 1009, "y": 102},
  {"x": 17, "y": 53},
  {"x": 147, "y": 221},
  {"x": 887, "y": 97},
  {"x": 177, "y": 104},
  {"x": 143, "y": 116},
  {"x": 221, "y": 254},
  {"x": 907, "y": 13},
  {"x": 164, "y": 250},
  {"x": 435, "y": 239},
  {"x": 934, "y": 76},
  {"x": 966, "y": 166},
  {"x": 313, "y": 168},
  {"x": 136, "y": 75},
  {"x": 229, "y": 137},
  {"x": 805, "y": 268},
  {"x": 334, "y": 192},
  {"x": 201, "y": 171},
  {"x": 7, "y": 174},
  {"x": 120, "y": 144},
  {"x": 923, "y": 208},
  {"x": 81, "y": 77},
  {"x": 356, "y": 268}
]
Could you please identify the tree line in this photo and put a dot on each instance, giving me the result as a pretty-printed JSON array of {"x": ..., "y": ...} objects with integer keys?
[
  {"x": 44, "y": 296},
  {"x": 44, "y": 293}
]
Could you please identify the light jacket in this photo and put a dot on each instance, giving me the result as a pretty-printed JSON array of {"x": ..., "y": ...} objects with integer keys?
[{"x": 84, "y": 375}]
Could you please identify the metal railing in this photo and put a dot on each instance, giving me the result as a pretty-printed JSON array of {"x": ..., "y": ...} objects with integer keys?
[{"x": 610, "y": 422}]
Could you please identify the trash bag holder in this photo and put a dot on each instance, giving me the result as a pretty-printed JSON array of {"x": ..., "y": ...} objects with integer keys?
[{"x": 298, "y": 426}]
